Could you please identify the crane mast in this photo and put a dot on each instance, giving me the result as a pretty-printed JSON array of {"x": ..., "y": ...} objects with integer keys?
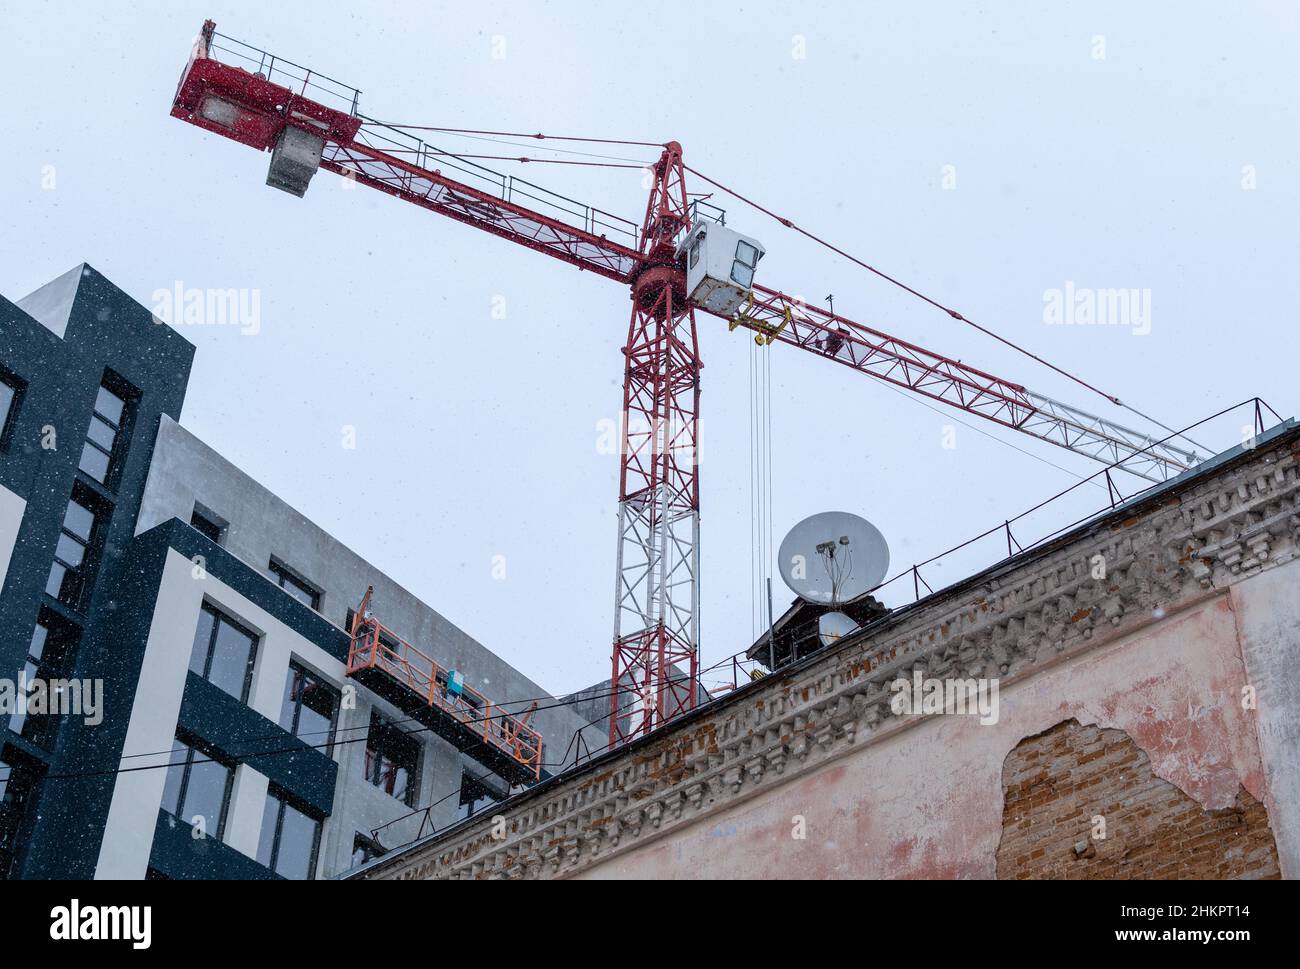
[
  {"x": 310, "y": 122},
  {"x": 656, "y": 596}
]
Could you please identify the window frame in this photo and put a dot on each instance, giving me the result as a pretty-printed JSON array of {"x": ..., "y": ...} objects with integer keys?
[
  {"x": 473, "y": 785},
  {"x": 195, "y": 746},
  {"x": 91, "y": 545},
  {"x": 52, "y": 660},
  {"x": 286, "y": 576},
  {"x": 219, "y": 615},
  {"x": 750, "y": 266},
  {"x": 284, "y": 800},
  {"x": 121, "y": 428},
  {"x": 375, "y": 757},
  {"x": 371, "y": 848},
  {"x": 18, "y": 790},
  {"x": 210, "y": 522},
  {"x": 18, "y": 389},
  {"x": 297, "y": 668}
]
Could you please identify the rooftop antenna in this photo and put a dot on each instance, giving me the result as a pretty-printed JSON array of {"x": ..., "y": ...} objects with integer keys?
[{"x": 832, "y": 558}]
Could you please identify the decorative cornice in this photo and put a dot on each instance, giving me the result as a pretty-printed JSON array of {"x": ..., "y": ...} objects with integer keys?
[{"x": 1160, "y": 554}]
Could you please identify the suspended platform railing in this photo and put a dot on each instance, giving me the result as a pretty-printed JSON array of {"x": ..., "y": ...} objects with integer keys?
[{"x": 431, "y": 693}]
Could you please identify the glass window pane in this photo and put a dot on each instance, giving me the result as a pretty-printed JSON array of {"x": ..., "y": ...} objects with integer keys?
[
  {"x": 54, "y": 584},
  {"x": 101, "y": 433},
  {"x": 747, "y": 254},
  {"x": 37, "y": 647},
  {"x": 289, "y": 702},
  {"x": 79, "y": 520},
  {"x": 94, "y": 462},
  {"x": 109, "y": 404},
  {"x": 317, "y": 714},
  {"x": 230, "y": 659},
  {"x": 742, "y": 274},
  {"x": 202, "y": 640},
  {"x": 172, "y": 786},
  {"x": 266, "y": 841},
  {"x": 298, "y": 592},
  {"x": 6, "y": 401},
  {"x": 205, "y": 794},
  {"x": 69, "y": 551},
  {"x": 297, "y": 842}
]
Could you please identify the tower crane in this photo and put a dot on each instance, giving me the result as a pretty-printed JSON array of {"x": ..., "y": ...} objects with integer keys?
[{"x": 676, "y": 260}]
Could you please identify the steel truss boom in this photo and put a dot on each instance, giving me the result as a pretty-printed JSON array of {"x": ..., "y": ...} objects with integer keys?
[{"x": 774, "y": 316}]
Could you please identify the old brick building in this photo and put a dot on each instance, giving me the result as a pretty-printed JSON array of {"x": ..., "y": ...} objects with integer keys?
[{"x": 1146, "y": 725}]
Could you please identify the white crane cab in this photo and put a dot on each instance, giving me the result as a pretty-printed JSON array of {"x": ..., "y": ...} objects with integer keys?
[{"x": 720, "y": 266}]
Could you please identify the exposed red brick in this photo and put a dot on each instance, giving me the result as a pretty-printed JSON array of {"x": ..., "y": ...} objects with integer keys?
[{"x": 1054, "y": 783}]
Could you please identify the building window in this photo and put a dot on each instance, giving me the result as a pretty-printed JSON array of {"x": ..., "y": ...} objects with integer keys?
[
  {"x": 392, "y": 759},
  {"x": 197, "y": 789},
  {"x": 11, "y": 394},
  {"x": 102, "y": 451},
  {"x": 365, "y": 848},
  {"x": 299, "y": 588},
  {"x": 75, "y": 551},
  {"x": 290, "y": 838},
  {"x": 474, "y": 795},
  {"x": 223, "y": 652},
  {"x": 211, "y": 526},
  {"x": 18, "y": 783},
  {"x": 49, "y": 658},
  {"x": 310, "y": 706}
]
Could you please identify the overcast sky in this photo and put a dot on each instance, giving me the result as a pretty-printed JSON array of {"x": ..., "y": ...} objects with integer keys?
[{"x": 985, "y": 155}]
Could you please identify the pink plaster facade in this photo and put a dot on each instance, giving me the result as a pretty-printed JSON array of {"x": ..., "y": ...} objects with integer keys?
[{"x": 926, "y": 802}]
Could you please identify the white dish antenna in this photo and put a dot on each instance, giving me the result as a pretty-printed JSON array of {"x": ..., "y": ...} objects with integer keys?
[
  {"x": 833, "y": 557},
  {"x": 833, "y": 626}
]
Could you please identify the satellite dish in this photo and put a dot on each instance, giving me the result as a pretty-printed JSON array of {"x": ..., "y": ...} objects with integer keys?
[
  {"x": 831, "y": 626},
  {"x": 833, "y": 557}
]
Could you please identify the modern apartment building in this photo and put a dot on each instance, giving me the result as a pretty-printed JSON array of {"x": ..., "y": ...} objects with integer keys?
[{"x": 192, "y": 692}]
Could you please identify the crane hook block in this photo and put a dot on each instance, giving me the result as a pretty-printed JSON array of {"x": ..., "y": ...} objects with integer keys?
[{"x": 764, "y": 333}]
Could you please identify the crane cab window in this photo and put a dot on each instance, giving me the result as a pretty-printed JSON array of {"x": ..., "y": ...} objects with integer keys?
[{"x": 742, "y": 270}]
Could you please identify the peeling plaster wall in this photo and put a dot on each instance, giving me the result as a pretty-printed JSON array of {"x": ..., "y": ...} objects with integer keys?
[
  {"x": 1267, "y": 608},
  {"x": 927, "y": 801}
]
